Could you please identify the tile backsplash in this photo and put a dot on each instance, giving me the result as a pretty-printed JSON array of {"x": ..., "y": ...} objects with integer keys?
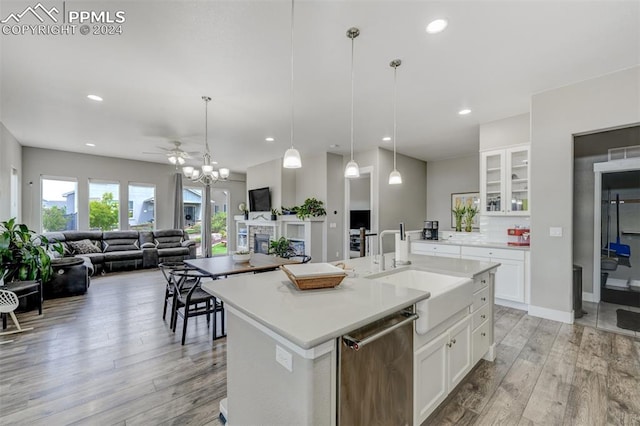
[{"x": 492, "y": 228}]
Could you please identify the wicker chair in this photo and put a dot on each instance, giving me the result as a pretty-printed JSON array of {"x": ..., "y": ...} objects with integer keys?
[{"x": 8, "y": 304}]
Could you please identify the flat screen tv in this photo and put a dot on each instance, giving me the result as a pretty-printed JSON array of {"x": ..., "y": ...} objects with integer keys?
[
  {"x": 259, "y": 200},
  {"x": 360, "y": 219}
]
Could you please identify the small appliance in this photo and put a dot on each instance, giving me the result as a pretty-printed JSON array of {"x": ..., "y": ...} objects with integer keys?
[
  {"x": 430, "y": 230},
  {"x": 518, "y": 236}
]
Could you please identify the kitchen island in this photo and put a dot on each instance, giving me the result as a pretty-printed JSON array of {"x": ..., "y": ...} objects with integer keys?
[{"x": 282, "y": 345}]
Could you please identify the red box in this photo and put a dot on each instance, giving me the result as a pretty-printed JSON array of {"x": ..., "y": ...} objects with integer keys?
[{"x": 521, "y": 236}]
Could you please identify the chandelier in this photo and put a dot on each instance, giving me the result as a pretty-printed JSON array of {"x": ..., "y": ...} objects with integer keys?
[{"x": 206, "y": 174}]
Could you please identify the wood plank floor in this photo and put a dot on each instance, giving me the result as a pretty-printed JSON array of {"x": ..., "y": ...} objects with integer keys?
[{"x": 108, "y": 358}]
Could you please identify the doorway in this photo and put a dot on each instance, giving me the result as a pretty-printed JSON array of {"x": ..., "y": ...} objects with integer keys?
[{"x": 359, "y": 213}]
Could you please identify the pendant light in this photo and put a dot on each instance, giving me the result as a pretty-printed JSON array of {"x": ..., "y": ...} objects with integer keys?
[
  {"x": 352, "y": 170},
  {"x": 291, "y": 158},
  {"x": 394, "y": 177}
]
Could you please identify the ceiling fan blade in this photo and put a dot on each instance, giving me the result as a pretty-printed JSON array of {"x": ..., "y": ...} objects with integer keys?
[{"x": 154, "y": 153}]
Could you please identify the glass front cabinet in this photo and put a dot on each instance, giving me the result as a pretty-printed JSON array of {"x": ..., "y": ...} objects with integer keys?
[{"x": 504, "y": 181}]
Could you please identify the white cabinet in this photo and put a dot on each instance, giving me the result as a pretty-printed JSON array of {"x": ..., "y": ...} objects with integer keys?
[
  {"x": 439, "y": 366},
  {"x": 482, "y": 318},
  {"x": 433, "y": 249},
  {"x": 510, "y": 277},
  {"x": 504, "y": 182}
]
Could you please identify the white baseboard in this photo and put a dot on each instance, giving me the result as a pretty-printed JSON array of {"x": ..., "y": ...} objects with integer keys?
[
  {"x": 512, "y": 304},
  {"x": 588, "y": 297},
  {"x": 552, "y": 314}
]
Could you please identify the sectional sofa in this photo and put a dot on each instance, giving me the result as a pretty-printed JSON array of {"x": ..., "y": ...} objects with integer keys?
[{"x": 117, "y": 250}]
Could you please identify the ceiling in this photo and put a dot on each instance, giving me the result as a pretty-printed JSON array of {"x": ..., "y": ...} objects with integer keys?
[{"x": 492, "y": 57}]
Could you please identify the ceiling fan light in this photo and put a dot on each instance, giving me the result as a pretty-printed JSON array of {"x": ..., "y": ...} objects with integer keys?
[
  {"x": 173, "y": 159},
  {"x": 395, "y": 178},
  {"x": 352, "y": 170},
  {"x": 187, "y": 171},
  {"x": 224, "y": 173},
  {"x": 291, "y": 159},
  {"x": 180, "y": 161}
]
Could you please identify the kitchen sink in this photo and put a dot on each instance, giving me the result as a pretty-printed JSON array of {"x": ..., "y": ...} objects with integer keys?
[{"x": 449, "y": 294}]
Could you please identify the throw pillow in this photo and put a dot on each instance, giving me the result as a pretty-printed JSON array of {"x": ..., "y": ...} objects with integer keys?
[{"x": 83, "y": 247}]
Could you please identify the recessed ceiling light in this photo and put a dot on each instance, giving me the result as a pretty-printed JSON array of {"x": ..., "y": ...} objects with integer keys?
[
  {"x": 464, "y": 111},
  {"x": 334, "y": 145},
  {"x": 387, "y": 139},
  {"x": 90, "y": 144},
  {"x": 437, "y": 26},
  {"x": 95, "y": 98},
  {"x": 269, "y": 139}
]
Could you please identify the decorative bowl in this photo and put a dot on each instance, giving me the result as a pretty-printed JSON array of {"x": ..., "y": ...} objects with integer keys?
[{"x": 241, "y": 257}]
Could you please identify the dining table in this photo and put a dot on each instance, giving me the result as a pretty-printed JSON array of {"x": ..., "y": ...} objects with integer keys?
[{"x": 221, "y": 266}]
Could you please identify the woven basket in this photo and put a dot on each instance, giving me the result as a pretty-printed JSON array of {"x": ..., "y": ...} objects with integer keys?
[{"x": 310, "y": 283}]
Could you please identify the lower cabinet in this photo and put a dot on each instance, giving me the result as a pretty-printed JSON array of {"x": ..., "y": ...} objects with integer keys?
[
  {"x": 439, "y": 366},
  {"x": 510, "y": 277},
  {"x": 432, "y": 249}
]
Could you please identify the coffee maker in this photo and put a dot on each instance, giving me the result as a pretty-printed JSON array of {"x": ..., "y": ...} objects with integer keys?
[{"x": 430, "y": 230}]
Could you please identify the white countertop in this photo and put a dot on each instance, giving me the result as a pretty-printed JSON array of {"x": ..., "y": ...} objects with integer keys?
[
  {"x": 363, "y": 266},
  {"x": 472, "y": 243},
  {"x": 311, "y": 317}
]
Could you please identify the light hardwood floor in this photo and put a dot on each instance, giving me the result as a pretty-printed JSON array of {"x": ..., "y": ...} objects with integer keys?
[{"x": 108, "y": 358}]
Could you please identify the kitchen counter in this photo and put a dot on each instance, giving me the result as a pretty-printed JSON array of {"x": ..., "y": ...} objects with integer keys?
[
  {"x": 363, "y": 266},
  {"x": 311, "y": 317},
  {"x": 472, "y": 243}
]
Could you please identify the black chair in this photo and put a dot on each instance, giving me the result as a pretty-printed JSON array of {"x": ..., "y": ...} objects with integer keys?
[
  {"x": 189, "y": 297},
  {"x": 166, "y": 268}
]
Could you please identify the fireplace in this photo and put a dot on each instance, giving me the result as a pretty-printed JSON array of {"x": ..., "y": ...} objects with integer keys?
[{"x": 261, "y": 243}]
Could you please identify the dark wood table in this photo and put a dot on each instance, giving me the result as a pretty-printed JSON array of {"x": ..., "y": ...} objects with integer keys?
[{"x": 221, "y": 266}]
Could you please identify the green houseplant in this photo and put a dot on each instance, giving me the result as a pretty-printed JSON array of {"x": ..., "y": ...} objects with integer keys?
[
  {"x": 311, "y": 207},
  {"x": 458, "y": 212},
  {"x": 23, "y": 254},
  {"x": 281, "y": 247},
  {"x": 274, "y": 214},
  {"x": 469, "y": 214}
]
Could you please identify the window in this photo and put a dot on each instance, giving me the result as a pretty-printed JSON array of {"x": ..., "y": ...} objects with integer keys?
[
  {"x": 58, "y": 203},
  {"x": 104, "y": 205},
  {"x": 219, "y": 201},
  {"x": 192, "y": 201},
  {"x": 141, "y": 207}
]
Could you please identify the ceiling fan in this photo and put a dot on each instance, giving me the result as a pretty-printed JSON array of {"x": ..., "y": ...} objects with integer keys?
[{"x": 175, "y": 155}]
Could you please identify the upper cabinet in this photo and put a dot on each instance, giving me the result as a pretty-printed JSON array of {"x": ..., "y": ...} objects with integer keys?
[{"x": 504, "y": 181}]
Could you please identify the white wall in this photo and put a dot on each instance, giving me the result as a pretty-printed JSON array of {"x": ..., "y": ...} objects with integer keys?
[
  {"x": 10, "y": 158},
  {"x": 557, "y": 115},
  {"x": 335, "y": 208},
  {"x": 360, "y": 193},
  {"x": 39, "y": 162},
  {"x": 498, "y": 134},
  {"x": 449, "y": 176}
]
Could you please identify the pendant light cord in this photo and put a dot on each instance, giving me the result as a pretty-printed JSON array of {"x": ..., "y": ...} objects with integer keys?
[
  {"x": 291, "y": 89},
  {"x": 395, "y": 70},
  {"x": 352, "y": 48},
  {"x": 206, "y": 125}
]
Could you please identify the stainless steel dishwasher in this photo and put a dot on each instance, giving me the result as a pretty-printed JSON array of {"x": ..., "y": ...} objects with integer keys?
[{"x": 375, "y": 373}]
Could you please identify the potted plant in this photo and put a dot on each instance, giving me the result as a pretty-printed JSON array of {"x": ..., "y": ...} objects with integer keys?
[
  {"x": 24, "y": 255},
  {"x": 311, "y": 207},
  {"x": 245, "y": 211},
  {"x": 281, "y": 247},
  {"x": 458, "y": 213},
  {"x": 274, "y": 214},
  {"x": 470, "y": 211}
]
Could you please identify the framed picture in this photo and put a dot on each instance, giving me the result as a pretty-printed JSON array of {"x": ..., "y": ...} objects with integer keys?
[{"x": 462, "y": 198}]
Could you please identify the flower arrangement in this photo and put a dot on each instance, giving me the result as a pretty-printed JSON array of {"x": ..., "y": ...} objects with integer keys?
[{"x": 459, "y": 212}]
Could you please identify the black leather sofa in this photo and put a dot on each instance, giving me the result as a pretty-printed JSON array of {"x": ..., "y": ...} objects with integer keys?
[{"x": 120, "y": 250}]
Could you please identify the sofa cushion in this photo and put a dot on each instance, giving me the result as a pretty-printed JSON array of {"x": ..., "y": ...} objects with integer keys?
[
  {"x": 95, "y": 236},
  {"x": 96, "y": 258},
  {"x": 115, "y": 256},
  {"x": 173, "y": 251},
  {"x": 83, "y": 247},
  {"x": 168, "y": 238}
]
